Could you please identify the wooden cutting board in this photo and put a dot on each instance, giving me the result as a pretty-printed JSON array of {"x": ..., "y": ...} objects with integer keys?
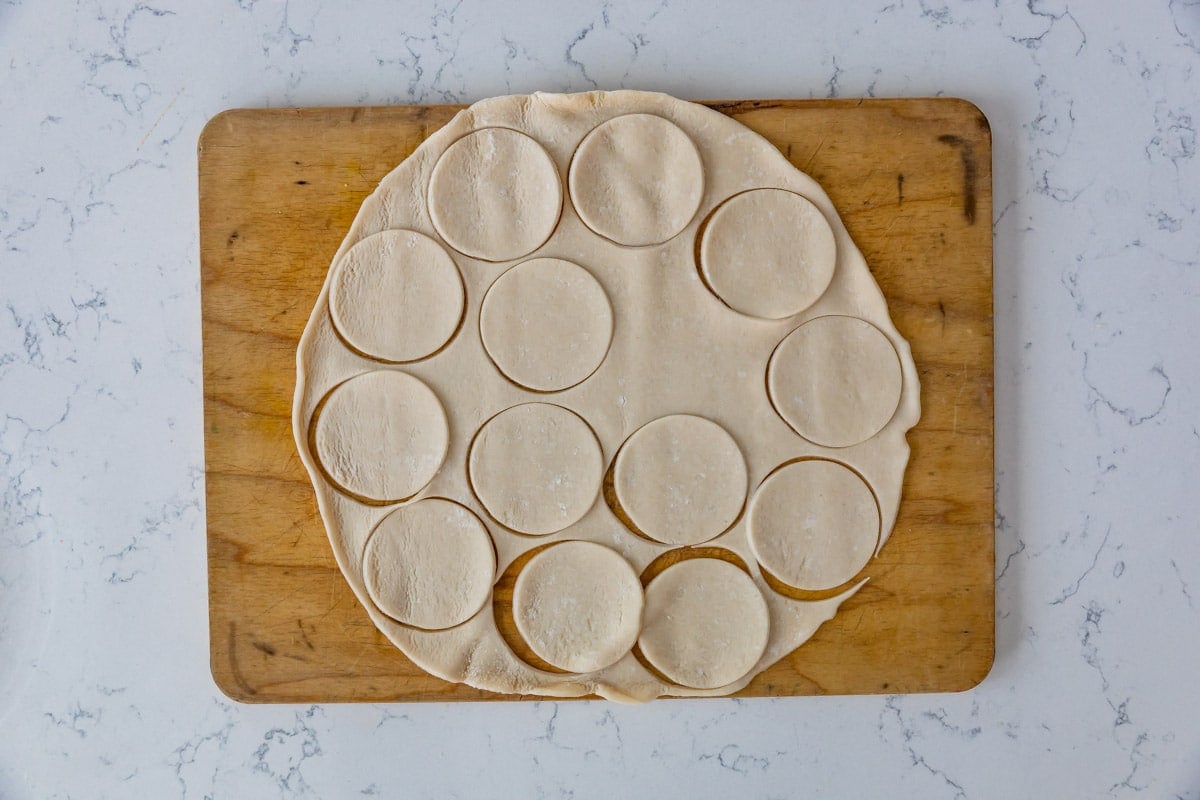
[{"x": 278, "y": 191}]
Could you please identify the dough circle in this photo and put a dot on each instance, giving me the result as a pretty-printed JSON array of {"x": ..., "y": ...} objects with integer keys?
[
  {"x": 381, "y": 435},
  {"x": 495, "y": 195},
  {"x": 537, "y": 468},
  {"x": 546, "y": 323},
  {"x": 768, "y": 253},
  {"x": 836, "y": 380},
  {"x": 430, "y": 564},
  {"x": 396, "y": 296},
  {"x": 637, "y": 180},
  {"x": 578, "y": 605},
  {"x": 813, "y": 524},
  {"x": 680, "y": 479},
  {"x": 705, "y": 624}
]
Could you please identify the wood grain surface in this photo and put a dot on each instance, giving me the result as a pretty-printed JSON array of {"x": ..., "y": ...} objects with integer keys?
[{"x": 278, "y": 191}]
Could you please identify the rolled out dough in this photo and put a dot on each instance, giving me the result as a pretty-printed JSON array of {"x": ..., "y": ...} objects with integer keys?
[{"x": 703, "y": 249}]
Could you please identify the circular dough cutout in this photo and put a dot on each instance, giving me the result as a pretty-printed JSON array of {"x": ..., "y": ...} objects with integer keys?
[
  {"x": 381, "y": 435},
  {"x": 705, "y": 624},
  {"x": 430, "y": 564},
  {"x": 578, "y": 605},
  {"x": 835, "y": 380},
  {"x": 813, "y": 524},
  {"x": 546, "y": 324},
  {"x": 536, "y": 468},
  {"x": 396, "y": 296},
  {"x": 681, "y": 479},
  {"x": 637, "y": 180},
  {"x": 768, "y": 253},
  {"x": 495, "y": 195}
]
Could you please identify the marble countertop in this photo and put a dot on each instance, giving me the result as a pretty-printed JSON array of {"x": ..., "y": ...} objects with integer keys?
[{"x": 104, "y": 683}]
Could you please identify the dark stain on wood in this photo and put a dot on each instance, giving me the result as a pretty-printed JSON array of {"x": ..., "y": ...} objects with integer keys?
[
  {"x": 233, "y": 237},
  {"x": 302, "y": 183},
  {"x": 235, "y": 669},
  {"x": 900, "y": 188},
  {"x": 263, "y": 647},
  {"x": 970, "y": 172},
  {"x": 304, "y": 635}
]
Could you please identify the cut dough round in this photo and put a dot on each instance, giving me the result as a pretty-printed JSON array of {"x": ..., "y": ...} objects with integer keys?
[
  {"x": 813, "y": 524},
  {"x": 836, "y": 380},
  {"x": 637, "y": 179},
  {"x": 536, "y": 468},
  {"x": 546, "y": 323},
  {"x": 680, "y": 479},
  {"x": 430, "y": 564},
  {"x": 706, "y": 623},
  {"x": 495, "y": 195},
  {"x": 578, "y": 605},
  {"x": 381, "y": 435},
  {"x": 396, "y": 296},
  {"x": 768, "y": 253}
]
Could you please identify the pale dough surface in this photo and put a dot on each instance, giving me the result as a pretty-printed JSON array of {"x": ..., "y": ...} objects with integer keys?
[
  {"x": 382, "y": 435},
  {"x": 836, "y": 380},
  {"x": 706, "y": 623},
  {"x": 430, "y": 564},
  {"x": 813, "y": 524},
  {"x": 536, "y": 468},
  {"x": 768, "y": 253},
  {"x": 578, "y": 605},
  {"x": 546, "y": 323},
  {"x": 396, "y": 296},
  {"x": 680, "y": 479},
  {"x": 636, "y": 179},
  {"x": 675, "y": 349},
  {"x": 495, "y": 194}
]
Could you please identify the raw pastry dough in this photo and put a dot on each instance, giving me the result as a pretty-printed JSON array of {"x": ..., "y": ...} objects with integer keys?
[
  {"x": 536, "y": 468},
  {"x": 381, "y": 436},
  {"x": 706, "y": 623},
  {"x": 430, "y": 564},
  {"x": 578, "y": 605},
  {"x": 495, "y": 195},
  {"x": 396, "y": 296},
  {"x": 546, "y": 323},
  {"x": 680, "y": 479},
  {"x": 813, "y": 524},
  {"x": 637, "y": 180},
  {"x": 768, "y": 253},
  {"x": 487, "y": 188},
  {"x": 836, "y": 380}
]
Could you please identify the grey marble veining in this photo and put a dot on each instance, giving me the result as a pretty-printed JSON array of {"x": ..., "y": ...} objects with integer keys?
[{"x": 104, "y": 684}]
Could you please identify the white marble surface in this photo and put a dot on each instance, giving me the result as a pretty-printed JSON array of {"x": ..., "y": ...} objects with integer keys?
[{"x": 104, "y": 683}]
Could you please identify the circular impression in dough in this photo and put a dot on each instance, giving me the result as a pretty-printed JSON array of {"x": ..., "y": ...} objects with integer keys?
[
  {"x": 381, "y": 435},
  {"x": 836, "y": 380},
  {"x": 578, "y": 605},
  {"x": 396, "y": 296},
  {"x": 537, "y": 468},
  {"x": 813, "y": 524},
  {"x": 705, "y": 624},
  {"x": 495, "y": 195},
  {"x": 636, "y": 179},
  {"x": 680, "y": 479},
  {"x": 768, "y": 253},
  {"x": 546, "y": 323},
  {"x": 430, "y": 564}
]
